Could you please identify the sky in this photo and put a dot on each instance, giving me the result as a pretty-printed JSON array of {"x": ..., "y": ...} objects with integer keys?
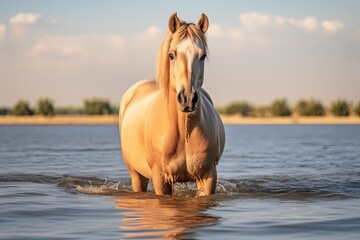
[{"x": 259, "y": 50}]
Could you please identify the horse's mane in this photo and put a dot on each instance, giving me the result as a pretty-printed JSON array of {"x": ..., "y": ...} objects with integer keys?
[{"x": 186, "y": 30}]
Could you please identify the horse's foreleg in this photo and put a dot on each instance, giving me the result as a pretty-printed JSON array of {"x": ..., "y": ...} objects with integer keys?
[
  {"x": 138, "y": 181},
  {"x": 207, "y": 185},
  {"x": 160, "y": 185}
]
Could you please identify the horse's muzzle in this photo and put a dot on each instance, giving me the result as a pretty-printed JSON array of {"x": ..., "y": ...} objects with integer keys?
[{"x": 187, "y": 102}]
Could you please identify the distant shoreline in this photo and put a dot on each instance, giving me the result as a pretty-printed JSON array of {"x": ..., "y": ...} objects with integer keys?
[
  {"x": 60, "y": 120},
  {"x": 292, "y": 120},
  {"x": 227, "y": 119}
]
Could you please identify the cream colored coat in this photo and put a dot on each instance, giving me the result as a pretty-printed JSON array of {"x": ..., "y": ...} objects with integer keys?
[{"x": 159, "y": 140}]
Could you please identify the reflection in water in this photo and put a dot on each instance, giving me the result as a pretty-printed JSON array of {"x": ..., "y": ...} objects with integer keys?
[{"x": 163, "y": 217}]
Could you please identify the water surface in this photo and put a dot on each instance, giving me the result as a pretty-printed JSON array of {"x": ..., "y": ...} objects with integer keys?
[{"x": 275, "y": 182}]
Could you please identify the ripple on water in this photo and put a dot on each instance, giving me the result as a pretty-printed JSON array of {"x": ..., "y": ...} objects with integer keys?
[{"x": 284, "y": 187}]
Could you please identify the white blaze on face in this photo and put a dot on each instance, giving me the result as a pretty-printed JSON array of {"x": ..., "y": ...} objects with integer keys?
[{"x": 193, "y": 51}]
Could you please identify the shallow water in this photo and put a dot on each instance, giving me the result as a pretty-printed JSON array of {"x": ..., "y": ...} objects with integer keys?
[{"x": 275, "y": 182}]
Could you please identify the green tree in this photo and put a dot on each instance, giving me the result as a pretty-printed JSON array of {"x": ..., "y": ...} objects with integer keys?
[
  {"x": 262, "y": 111},
  {"x": 340, "y": 108},
  {"x": 310, "y": 107},
  {"x": 280, "y": 107},
  {"x": 302, "y": 107},
  {"x": 316, "y": 108},
  {"x": 45, "y": 106},
  {"x": 219, "y": 109},
  {"x": 22, "y": 107},
  {"x": 97, "y": 106},
  {"x": 241, "y": 107},
  {"x": 114, "y": 109},
  {"x": 4, "y": 111},
  {"x": 69, "y": 110},
  {"x": 357, "y": 109}
]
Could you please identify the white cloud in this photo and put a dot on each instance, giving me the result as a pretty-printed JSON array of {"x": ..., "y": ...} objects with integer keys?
[
  {"x": 332, "y": 26},
  {"x": 153, "y": 30},
  {"x": 23, "y": 24},
  {"x": 215, "y": 30},
  {"x": 2, "y": 31},
  {"x": 309, "y": 23},
  {"x": 150, "y": 33},
  {"x": 92, "y": 45},
  {"x": 234, "y": 34},
  {"x": 255, "y": 20},
  {"x": 25, "y": 19},
  {"x": 260, "y": 30},
  {"x": 240, "y": 36},
  {"x": 82, "y": 45},
  {"x": 56, "y": 48}
]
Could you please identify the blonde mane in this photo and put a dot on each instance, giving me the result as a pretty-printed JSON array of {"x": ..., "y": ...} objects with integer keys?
[{"x": 186, "y": 30}]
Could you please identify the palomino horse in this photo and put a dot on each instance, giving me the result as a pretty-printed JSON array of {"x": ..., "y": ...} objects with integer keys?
[{"x": 169, "y": 129}]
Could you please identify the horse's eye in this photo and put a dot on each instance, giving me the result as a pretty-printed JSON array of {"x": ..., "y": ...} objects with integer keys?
[
  {"x": 203, "y": 57},
  {"x": 171, "y": 56}
]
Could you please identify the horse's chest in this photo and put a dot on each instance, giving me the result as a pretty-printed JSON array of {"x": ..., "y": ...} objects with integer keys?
[
  {"x": 191, "y": 157},
  {"x": 186, "y": 146}
]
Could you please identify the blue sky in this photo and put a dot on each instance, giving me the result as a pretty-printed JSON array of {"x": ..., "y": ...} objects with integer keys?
[{"x": 259, "y": 50}]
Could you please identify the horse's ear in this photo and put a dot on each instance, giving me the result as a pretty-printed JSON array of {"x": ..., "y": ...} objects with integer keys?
[
  {"x": 203, "y": 23},
  {"x": 174, "y": 22}
]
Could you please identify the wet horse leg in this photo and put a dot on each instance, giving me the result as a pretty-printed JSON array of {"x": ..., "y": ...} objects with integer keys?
[
  {"x": 207, "y": 185},
  {"x": 138, "y": 181},
  {"x": 160, "y": 185}
]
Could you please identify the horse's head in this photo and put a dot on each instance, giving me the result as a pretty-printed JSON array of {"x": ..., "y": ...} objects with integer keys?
[{"x": 186, "y": 59}]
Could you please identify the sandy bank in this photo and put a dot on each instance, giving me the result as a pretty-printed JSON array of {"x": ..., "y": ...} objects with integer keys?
[{"x": 113, "y": 120}]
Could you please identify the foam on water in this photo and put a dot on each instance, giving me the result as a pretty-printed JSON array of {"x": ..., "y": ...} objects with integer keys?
[{"x": 284, "y": 187}]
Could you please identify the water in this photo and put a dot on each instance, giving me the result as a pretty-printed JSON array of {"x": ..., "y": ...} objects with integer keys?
[{"x": 275, "y": 182}]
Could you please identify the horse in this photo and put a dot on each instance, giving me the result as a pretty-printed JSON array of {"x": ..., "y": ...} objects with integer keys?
[{"x": 169, "y": 129}]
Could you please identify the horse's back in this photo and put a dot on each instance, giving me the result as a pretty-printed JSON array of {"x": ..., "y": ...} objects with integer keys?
[{"x": 134, "y": 94}]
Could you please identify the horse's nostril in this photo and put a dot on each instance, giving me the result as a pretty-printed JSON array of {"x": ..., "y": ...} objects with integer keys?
[
  {"x": 195, "y": 98},
  {"x": 181, "y": 98}
]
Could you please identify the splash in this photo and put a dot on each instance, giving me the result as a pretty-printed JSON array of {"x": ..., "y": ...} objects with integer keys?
[{"x": 284, "y": 187}]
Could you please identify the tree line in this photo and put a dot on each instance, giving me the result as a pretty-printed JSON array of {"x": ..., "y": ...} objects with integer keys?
[
  {"x": 46, "y": 107},
  {"x": 279, "y": 107}
]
